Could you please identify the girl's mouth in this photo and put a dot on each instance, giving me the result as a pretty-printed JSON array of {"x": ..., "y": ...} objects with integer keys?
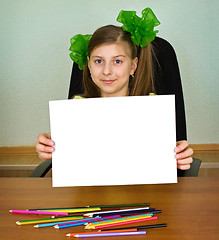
[{"x": 108, "y": 81}]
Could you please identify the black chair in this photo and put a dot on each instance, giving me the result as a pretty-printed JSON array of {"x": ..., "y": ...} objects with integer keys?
[
  {"x": 42, "y": 169},
  {"x": 167, "y": 81}
]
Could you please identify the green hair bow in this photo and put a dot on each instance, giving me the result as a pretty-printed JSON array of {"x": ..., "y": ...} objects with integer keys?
[
  {"x": 141, "y": 29},
  {"x": 79, "y": 48}
]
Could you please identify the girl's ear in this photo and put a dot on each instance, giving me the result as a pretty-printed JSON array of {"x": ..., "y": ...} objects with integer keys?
[{"x": 134, "y": 65}]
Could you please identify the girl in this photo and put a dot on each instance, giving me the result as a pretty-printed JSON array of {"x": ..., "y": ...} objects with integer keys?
[{"x": 114, "y": 69}]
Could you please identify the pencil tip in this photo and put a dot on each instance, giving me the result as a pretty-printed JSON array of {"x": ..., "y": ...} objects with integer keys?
[
  {"x": 67, "y": 235},
  {"x": 18, "y": 223},
  {"x": 56, "y": 227},
  {"x": 36, "y": 226},
  {"x": 10, "y": 210}
]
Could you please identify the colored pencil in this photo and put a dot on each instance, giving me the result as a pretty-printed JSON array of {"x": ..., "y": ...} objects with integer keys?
[
  {"x": 36, "y": 209},
  {"x": 91, "y": 225},
  {"x": 81, "y": 222},
  {"x": 141, "y": 212},
  {"x": 115, "y": 211},
  {"x": 51, "y": 224},
  {"x": 120, "y": 219},
  {"x": 65, "y": 222},
  {"x": 96, "y": 219},
  {"x": 124, "y": 223},
  {"x": 73, "y": 210},
  {"x": 110, "y": 234},
  {"x": 46, "y": 220},
  {"x": 121, "y": 205},
  {"x": 77, "y": 222},
  {"x": 38, "y": 212},
  {"x": 109, "y": 231},
  {"x": 138, "y": 227}
]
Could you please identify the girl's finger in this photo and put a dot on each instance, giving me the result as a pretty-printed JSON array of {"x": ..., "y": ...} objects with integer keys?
[
  {"x": 184, "y": 154},
  {"x": 183, "y": 164},
  {"x": 181, "y": 145}
]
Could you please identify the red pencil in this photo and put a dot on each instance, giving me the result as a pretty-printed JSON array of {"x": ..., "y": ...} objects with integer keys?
[{"x": 123, "y": 223}]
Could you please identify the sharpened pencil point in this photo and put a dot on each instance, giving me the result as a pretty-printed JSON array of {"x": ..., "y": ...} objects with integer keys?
[
  {"x": 10, "y": 210},
  {"x": 68, "y": 235},
  {"x": 36, "y": 226},
  {"x": 56, "y": 227},
  {"x": 18, "y": 223}
]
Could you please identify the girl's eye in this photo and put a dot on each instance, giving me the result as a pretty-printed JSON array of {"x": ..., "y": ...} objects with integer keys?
[
  {"x": 117, "y": 61},
  {"x": 98, "y": 61}
]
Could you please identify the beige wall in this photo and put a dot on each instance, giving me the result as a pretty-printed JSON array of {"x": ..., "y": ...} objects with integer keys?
[{"x": 35, "y": 66}]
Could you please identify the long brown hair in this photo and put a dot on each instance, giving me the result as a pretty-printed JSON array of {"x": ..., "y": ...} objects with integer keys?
[{"x": 142, "y": 82}]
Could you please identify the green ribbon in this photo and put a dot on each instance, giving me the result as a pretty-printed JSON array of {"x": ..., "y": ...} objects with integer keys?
[
  {"x": 141, "y": 29},
  {"x": 79, "y": 49}
]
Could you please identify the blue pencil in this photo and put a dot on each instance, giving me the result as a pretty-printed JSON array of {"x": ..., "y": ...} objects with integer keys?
[
  {"x": 82, "y": 222},
  {"x": 49, "y": 224},
  {"x": 70, "y": 221}
]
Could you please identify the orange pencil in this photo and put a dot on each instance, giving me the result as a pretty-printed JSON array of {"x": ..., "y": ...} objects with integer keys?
[{"x": 123, "y": 223}]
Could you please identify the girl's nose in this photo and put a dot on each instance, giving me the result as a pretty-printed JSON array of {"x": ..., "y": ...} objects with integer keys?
[{"x": 107, "y": 70}]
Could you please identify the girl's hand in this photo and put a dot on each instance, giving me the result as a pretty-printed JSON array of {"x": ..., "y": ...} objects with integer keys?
[
  {"x": 183, "y": 155},
  {"x": 44, "y": 146}
]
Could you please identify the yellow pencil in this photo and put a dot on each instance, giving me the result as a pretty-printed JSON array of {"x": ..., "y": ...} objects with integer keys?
[
  {"x": 47, "y": 220},
  {"x": 91, "y": 225}
]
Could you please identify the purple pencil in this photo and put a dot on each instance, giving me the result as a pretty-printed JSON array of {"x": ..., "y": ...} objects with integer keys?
[{"x": 110, "y": 234}]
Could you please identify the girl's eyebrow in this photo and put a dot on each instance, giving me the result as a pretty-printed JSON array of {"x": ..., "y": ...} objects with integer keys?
[{"x": 96, "y": 56}]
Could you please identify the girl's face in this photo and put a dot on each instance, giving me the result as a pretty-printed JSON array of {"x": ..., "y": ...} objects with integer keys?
[{"x": 110, "y": 67}]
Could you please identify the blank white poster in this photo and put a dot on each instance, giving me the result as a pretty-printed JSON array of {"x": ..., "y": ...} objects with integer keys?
[{"x": 113, "y": 141}]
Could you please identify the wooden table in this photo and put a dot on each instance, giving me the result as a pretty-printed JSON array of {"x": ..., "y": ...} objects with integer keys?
[{"x": 190, "y": 208}]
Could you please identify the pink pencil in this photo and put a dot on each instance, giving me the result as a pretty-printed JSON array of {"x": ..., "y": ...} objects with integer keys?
[
  {"x": 86, "y": 220},
  {"x": 39, "y": 212},
  {"x": 123, "y": 223}
]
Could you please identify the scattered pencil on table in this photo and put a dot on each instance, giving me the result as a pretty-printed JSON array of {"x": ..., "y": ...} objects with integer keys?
[
  {"x": 48, "y": 220},
  {"x": 82, "y": 222},
  {"x": 63, "y": 208},
  {"x": 39, "y": 212},
  {"x": 120, "y": 219},
  {"x": 73, "y": 210},
  {"x": 131, "y": 210},
  {"x": 106, "y": 234},
  {"x": 99, "y": 231},
  {"x": 123, "y": 223},
  {"x": 137, "y": 227}
]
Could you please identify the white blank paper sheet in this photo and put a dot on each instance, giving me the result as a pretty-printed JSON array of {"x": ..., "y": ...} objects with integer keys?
[{"x": 113, "y": 141}]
